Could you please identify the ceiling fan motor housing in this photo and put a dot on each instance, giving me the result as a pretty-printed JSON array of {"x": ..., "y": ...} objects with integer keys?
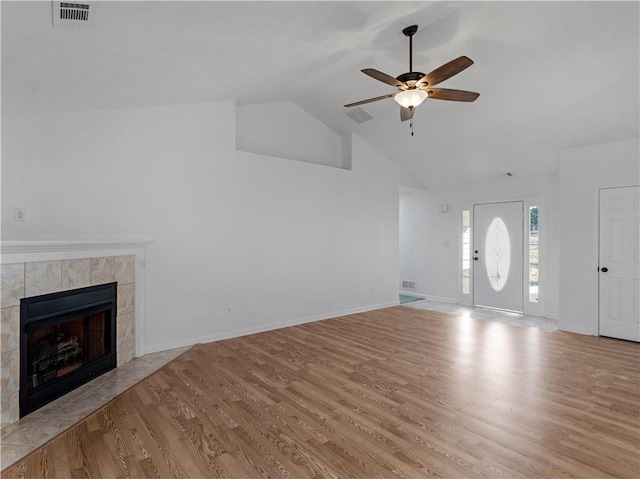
[{"x": 410, "y": 76}]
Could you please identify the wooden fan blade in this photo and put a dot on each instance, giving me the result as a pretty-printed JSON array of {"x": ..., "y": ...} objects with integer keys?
[
  {"x": 406, "y": 113},
  {"x": 384, "y": 78},
  {"x": 391, "y": 95},
  {"x": 454, "y": 95},
  {"x": 445, "y": 71}
]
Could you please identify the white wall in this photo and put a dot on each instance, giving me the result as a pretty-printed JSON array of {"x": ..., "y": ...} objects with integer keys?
[
  {"x": 284, "y": 130},
  {"x": 428, "y": 244},
  {"x": 278, "y": 241},
  {"x": 582, "y": 172},
  {"x": 430, "y": 240}
]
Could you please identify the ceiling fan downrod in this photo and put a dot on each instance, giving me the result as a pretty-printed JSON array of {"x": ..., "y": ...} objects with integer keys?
[
  {"x": 410, "y": 76},
  {"x": 410, "y": 32}
]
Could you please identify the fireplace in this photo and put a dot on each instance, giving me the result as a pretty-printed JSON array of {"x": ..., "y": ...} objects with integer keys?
[{"x": 66, "y": 339}]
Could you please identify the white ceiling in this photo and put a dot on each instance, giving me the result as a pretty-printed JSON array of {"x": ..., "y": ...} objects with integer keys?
[{"x": 551, "y": 75}]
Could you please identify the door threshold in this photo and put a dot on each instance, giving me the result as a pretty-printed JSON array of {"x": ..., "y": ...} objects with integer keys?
[{"x": 510, "y": 311}]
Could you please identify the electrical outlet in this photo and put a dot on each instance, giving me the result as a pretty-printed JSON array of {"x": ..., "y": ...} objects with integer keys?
[
  {"x": 20, "y": 215},
  {"x": 228, "y": 310}
]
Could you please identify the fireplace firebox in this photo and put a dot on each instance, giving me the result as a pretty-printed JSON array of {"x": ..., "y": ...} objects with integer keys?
[{"x": 66, "y": 339}]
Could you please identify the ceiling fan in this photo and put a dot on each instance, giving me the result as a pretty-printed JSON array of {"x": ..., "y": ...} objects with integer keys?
[{"x": 415, "y": 87}]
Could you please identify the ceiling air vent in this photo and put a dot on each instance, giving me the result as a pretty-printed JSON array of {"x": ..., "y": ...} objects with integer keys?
[
  {"x": 71, "y": 14},
  {"x": 358, "y": 115}
]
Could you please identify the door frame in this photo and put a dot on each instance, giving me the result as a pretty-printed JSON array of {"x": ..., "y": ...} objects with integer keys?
[
  {"x": 529, "y": 308},
  {"x": 522, "y": 282},
  {"x": 597, "y": 233}
]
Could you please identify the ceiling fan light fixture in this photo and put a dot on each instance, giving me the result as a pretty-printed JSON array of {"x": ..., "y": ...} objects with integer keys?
[
  {"x": 410, "y": 98},
  {"x": 416, "y": 87}
]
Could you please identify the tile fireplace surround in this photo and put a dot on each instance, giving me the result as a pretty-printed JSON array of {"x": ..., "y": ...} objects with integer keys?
[{"x": 32, "y": 268}]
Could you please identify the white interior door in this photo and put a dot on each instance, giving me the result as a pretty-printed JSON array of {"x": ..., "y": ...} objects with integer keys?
[
  {"x": 619, "y": 269},
  {"x": 498, "y": 255}
]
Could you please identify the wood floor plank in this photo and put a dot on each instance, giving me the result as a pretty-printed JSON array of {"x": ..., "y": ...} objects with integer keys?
[{"x": 392, "y": 393}]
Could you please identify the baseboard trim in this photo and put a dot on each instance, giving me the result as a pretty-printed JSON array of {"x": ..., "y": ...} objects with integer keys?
[
  {"x": 264, "y": 328},
  {"x": 441, "y": 299},
  {"x": 576, "y": 329},
  {"x": 411, "y": 293},
  {"x": 429, "y": 297}
]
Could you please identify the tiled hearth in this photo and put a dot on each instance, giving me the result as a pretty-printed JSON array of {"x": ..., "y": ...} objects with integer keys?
[
  {"x": 36, "y": 268},
  {"x": 34, "y": 430}
]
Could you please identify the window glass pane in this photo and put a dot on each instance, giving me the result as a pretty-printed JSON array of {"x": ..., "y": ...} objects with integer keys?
[
  {"x": 466, "y": 251},
  {"x": 497, "y": 253},
  {"x": 534, "y": 254}
]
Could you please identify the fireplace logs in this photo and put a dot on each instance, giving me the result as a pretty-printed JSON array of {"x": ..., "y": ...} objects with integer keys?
[{"x": 52, "y": 355}]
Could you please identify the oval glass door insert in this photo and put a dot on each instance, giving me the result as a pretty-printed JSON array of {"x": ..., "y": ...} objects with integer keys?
[{"x": 497, "y": 253}]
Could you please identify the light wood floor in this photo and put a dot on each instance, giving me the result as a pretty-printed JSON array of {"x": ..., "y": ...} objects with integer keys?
[{"x": 392, "y": 393}]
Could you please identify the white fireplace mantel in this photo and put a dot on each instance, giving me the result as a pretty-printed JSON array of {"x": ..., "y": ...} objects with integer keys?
[
  {"x": 43, "y": 250},
  {"x": 27, "y": 251}
]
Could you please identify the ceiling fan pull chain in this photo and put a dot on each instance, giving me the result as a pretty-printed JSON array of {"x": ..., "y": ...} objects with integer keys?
[{"x": 411, "y": 125}]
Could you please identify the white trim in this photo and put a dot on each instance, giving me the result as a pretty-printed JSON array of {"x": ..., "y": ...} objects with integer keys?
[
  {"x": 13, "y": 250},
  {"x": 263, "y": 328},
  {"x": 595, "y": 254},
  {"x": 465, "y": 299},
  {"x": 441, "y": 299},
  {"x": 57, "y": 250},
  {"x": 139, "y": 302},
  {"x": 532, "y": 308},
  {"x": 577, "y": 330},
  {"x": 411, "y": 293},
  {"x": 429, "y": 297}
]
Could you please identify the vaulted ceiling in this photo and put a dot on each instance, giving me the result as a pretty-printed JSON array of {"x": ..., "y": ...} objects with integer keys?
[{"x": 551, "y": 75}]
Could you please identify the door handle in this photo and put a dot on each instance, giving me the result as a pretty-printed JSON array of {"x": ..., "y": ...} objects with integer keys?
[{"x": 604, "y": 270}]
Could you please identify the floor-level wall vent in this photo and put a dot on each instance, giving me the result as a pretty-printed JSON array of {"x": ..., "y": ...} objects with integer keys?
[{"x": 408, "y": 284}]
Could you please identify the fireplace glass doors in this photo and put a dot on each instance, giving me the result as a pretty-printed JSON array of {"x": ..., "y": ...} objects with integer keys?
[
  {"x": 56, "y": 351},
  {"x": 67, "y": 339}
]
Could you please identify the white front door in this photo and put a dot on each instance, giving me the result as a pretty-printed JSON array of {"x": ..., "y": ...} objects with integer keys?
[
  {"x": 619, "y": 263},
  {"x": 498, "y": 255}
]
